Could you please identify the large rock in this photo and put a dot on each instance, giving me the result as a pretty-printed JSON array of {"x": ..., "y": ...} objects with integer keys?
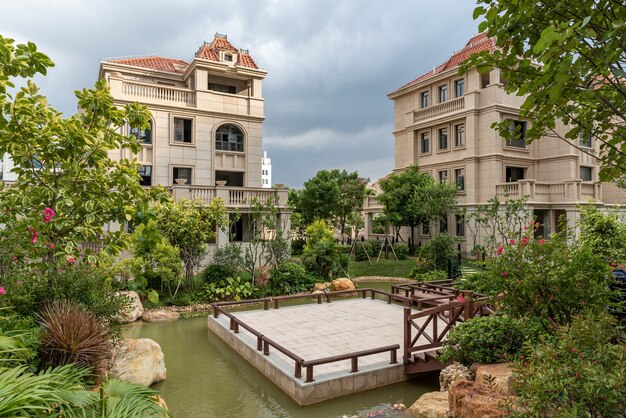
[
  {"x": 321, "y": 286},
  {"x": 472, "y": 400},
  {"x": 500, "y": 374},
  {"x": 431, "y": 405},
  {"x": 452, "y": 373},
  {"x": 342, "y": 284},
  {"x": 138, "y": 361},
  {"x": 160, "y": 316},
  {"x": 133, "y": 311}
]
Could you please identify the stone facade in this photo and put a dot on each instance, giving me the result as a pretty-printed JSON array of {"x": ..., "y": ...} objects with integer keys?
[{"x": 442, "y": 123}]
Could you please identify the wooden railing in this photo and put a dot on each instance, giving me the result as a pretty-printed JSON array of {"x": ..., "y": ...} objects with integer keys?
[
  {"x": 264, "y": 343},
  {"x": 453, "y": 105},
  {"x": 158, "y": 93}
]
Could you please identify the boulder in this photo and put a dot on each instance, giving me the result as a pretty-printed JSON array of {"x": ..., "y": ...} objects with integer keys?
[
  {"x": 138, "y": 361},
  {"x": 342, "y": 284},
  {"x": 500, "y": 374},
  {"x": 321, "y": 286},
  {"x": 160, "y": 316},
  {"x": 452, "y": 373},
  {"x": 472, "y": 400},
  {"x": 430, "y": 405},
  {"x": 318, "y": 292},
  {"x": 133, "y": 311}
]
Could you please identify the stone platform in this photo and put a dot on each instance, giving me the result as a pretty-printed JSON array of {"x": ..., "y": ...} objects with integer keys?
[{"x": 315, "y": 331}]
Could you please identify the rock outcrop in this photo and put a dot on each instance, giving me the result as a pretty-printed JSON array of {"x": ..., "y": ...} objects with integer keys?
[
  {"x": 133, "y": 311},
  {"x": 452, "y": 373},
  {"x": 430, "y": 405},
  {"x": 496, "y": 376},
  {"x": 472, "y": 400},
  {"x": 160, "y": 316},
  {"x": 321, "y": 286},
  {"x": 139, "y": 361},
  {"x": 342, "y": 284}
]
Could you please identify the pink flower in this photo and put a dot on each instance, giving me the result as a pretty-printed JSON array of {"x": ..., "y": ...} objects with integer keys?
[
  {"x": 2, "y": 291},
  {"x": 541, "y": 241},
  {"x": 15, "y": 259},
  {"x": 500, "y": 249},
  {"x": 512, "y": 242},
  {"x": 51, "y": 246},
  {"x": 48, "y": 214},
  {"x": 71, "y": 259},
  {"x": 33, "y": 238},
  {"x": 504, "y": 274},
  {"x": 460, "y": 299},
  {"x": 524, "y": 241}
]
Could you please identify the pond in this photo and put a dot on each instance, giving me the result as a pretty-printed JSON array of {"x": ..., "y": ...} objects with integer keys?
[{"x": 206, "y": 378}]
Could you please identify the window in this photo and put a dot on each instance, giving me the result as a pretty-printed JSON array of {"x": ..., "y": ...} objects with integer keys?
[
  {"x": 586, "y": 173},
  {"x": 222, "y": 88},
  {"x": 443, "y": 224},
  {"x": 443, "y": 93},
  {"x": 484, "y": 80},
  {"x": 145, "y": 171},
  {"x": 459, "y": 178},
  {"x": 442, "y": 176},
  {"x": 229, "y": 138},
  {"x": 585, "y": 139},
  {"x": 518, "y": 134},
  {"x": 182, "y": 130},
  {"x": 459, "y": 87},
  {"x": 228, "y": 57},
  {"x": 425, "y": 98},
  {"x": 425, "y": 229},
  {"x": 182, "y": 173},
  {"x": 143, "y": 135},
  {"x": 425, "y": 143},
  {"x": 460, "y": 226},
  {"x": 514, "y": 174},
  {"x": 459, "y": 135},
  {"x": 443, "y": 139}
]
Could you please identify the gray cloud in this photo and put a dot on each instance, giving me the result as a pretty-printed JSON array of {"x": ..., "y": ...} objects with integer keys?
[{"x": 330, "y": 63}]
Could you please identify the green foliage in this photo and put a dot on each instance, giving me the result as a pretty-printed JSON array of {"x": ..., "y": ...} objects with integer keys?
[
  {"x": 429, "y": 276},
  {"x": 422, "y": 265},
  {"x": 216, "y": 273},
  {"x": 489, "y": 339},
  {"x": 62, "y": 164},
  {"x": 365, "y": 248},
  {"x": 189, "y": 225},
  {"x": 603, "y": 234},
  {"x": 568, "y": 65},
  {"x": 289, "y": 278},
  {"x": 577, "y": 373},
  {"x": 439, "y": 250},
  {"x": 324, "y": 259},
  {"x": 401, "y": 250},
  {"x": 549, "y": 280},
  {"x": 297, "y": 246},
  {"x": 317, "y": 231},
  {"x": 229, "y": 257},
  {"x": 71, "y": 335},
  {"x": 233, "y": 288}
]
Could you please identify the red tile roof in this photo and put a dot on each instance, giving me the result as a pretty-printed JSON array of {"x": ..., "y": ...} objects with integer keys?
[
  {"x": 477, "y": 43},
  {"x": 208, "y": 51},
  {"x": 153, "y": 62}
]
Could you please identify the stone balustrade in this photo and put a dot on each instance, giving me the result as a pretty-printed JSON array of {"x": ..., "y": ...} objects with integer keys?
[
  {"x": 543, "y": 192},
  {"x": 233, "y": 197},
  {"x": 450, "y": 106}
]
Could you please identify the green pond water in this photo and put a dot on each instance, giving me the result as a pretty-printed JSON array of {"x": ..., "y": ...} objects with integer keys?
[{"x": 206, "y": 378}]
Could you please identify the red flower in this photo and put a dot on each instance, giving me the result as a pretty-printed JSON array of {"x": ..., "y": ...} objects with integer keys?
[
  {"x": 541, "y": 241},
  {"x": 613, "y": 264},
  {"x": 504, "y": 274},
  {"x": 460, "y": 299},
  {"x": 524, "y": 241},
  {"x": 71, "y": 259},
  {"x": 512, "y": 242},
  {"x": 33, "y": 238},
  {"x": 500, "y": 249},
  {"x": 48, "y": 214}
]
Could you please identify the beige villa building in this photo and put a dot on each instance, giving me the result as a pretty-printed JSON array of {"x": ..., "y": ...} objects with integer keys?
[
  {"x": 205, "y": 133},
  {"x": 442, "y": 123}
]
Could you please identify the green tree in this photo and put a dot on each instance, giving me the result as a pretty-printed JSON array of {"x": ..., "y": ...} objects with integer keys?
[
  {"x": 568, "y": 61},
  {"x": 67, "y": 187},
  {"x": 190, "y": 225}
]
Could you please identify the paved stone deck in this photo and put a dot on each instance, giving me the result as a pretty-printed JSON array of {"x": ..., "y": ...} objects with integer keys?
[{"x": 315, "y": 331}]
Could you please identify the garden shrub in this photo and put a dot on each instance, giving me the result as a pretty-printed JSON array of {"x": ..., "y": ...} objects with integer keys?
[
  {"x": 234, "y": 288},
  {"x": 345, "y": 248},
  {"x": 422, "y": 265},
  {"x": 297, "y": 246},
  {"x": 323, "y": 259},
  {"x": 71, "y": 335},
  {"x": 490, "y": 339},
  {"x": 319, "y": 230},
  {"x": 439, "y": 250},
  {"x": 577, "y": 373},
  {"x": 429, "y": 276},
  {"x": 289, "y": 278},
  {"x": 229, "y": 257},
  {"x": 216, "y": 273},
  {"x": 402, "y": 250},
  {"x": 369, "y": 247}
]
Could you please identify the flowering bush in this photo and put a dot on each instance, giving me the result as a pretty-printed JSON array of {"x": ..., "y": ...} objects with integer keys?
[{"x": 548, "y": 280}]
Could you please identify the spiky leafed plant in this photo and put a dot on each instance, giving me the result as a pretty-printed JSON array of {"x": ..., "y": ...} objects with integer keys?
[
  {"x": 120, "y": 399},
  {"x": 73, "y": 336}
]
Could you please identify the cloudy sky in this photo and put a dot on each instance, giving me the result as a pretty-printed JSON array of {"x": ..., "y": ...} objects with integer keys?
[{"x": 330, "y": 63}]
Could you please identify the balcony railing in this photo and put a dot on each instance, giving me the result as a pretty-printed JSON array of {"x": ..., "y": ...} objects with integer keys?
[
  {"x": 542, "y": 192},
  {"x": 156, "y": 93},
  {"x": 441, "y": 109},
  {"x": 233, "y": 197}
]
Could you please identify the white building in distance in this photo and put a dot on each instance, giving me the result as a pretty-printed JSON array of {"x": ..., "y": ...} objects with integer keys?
[{"x": 266, "y": 171}]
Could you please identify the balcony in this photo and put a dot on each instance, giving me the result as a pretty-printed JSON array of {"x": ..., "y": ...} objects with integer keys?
[
  {"x": 371, "y": 204},
  {"x": 454, "y": 105},
  {"x": 233, "y": 197},
  {"x": 543, "y": 192},
  {"x": 157, "y": 94}
]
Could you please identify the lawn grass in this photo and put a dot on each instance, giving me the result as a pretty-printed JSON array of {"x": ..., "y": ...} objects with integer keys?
[{"x": 389, "y": 268}]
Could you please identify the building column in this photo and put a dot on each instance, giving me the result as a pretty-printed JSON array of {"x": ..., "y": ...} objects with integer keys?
[
  {"x": 572, "y": 224},
  {"x": 367, "y": 225}
]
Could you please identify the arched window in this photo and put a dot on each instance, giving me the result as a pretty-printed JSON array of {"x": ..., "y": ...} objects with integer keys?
[
  {"x": 143, "y": 135},
  {"x": 229, "y": 138}
]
